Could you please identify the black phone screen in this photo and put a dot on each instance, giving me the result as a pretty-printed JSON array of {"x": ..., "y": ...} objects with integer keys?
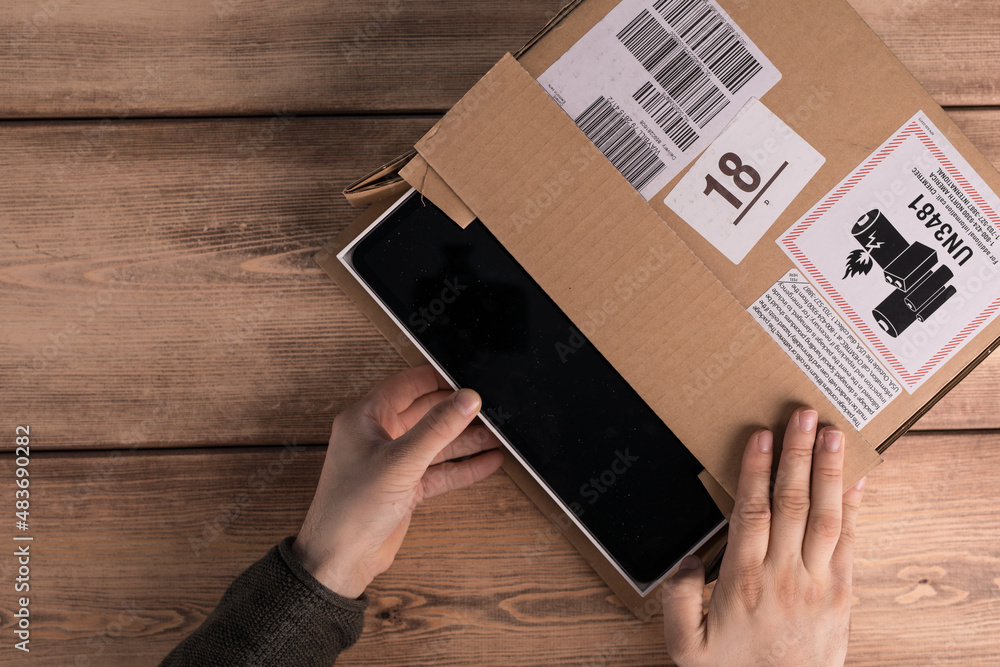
[{"x": 557, "y": 401}]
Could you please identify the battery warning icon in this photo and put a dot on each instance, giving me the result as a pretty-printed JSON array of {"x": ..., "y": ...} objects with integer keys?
[{"x": 920, "y": 289}]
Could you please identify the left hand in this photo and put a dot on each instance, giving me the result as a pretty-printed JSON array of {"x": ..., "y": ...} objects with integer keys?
[{"x": 388, "y": 453}]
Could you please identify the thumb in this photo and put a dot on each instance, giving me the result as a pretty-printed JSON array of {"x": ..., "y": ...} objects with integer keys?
[
  {"x": 683, "y": 620},
  {"x": 439, "y": 426}
]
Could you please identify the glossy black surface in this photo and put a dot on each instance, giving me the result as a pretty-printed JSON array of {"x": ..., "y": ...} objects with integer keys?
[{"x": 555, "y": 398}]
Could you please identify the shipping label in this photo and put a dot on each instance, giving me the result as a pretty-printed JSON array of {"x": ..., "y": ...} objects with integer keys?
[
  {"x": 655, "y": 82},
  {"x": 744, "y": 181},
  {"x": 905, "y": 249}
]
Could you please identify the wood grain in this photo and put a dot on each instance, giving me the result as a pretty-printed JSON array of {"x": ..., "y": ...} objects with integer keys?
[
  {"x": 158, "y": 278},
  {"x": 161, "y": 281},
  {"x": 927, "y": 568},
  {"x": 253, "y": 57},
  {"x": 135, "y": 549},
  {"x": 157, "y": 291},
  {"x": 939, "y": 41}
]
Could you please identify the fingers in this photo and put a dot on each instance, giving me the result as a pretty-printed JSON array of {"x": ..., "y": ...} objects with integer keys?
[
  {"x": 420, "y": 406},
  {"x": 843, "y": 555},
  {"x": 750, "y": 523},
  {"x": 791, "y": 486},
  {"x": 442, "y": 424},
  {"x": 824, "y": 525},
  {"x": 453, "y": 475},
  {"x": 683, "y": 620},
  {"x": 475, "y": 439},
  {"x": 399, "y": 391}
]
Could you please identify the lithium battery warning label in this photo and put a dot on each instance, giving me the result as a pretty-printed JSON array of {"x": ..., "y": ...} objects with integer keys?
[{"x": 906, "y": 250}]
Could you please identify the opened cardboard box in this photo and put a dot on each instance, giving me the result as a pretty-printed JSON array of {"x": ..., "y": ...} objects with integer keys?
[{"x": 745, "y": 206}]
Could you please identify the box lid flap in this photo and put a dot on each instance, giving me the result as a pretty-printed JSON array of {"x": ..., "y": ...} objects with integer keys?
[{"x": 654, "y": 310}]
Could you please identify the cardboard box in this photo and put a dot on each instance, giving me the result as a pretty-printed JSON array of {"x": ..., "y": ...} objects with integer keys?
[{"x": 833, "y": 245}]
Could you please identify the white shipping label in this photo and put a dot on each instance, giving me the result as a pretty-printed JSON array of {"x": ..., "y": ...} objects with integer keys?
[
  {"x": 744, "y": 181},
  {"x": 825, "y": 348},
  {"x": 655, "y": 82},
  {"x": 905, "y": 249}
]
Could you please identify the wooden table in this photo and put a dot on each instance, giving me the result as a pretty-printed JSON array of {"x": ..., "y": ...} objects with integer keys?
[{"x": 169, "y": 169}]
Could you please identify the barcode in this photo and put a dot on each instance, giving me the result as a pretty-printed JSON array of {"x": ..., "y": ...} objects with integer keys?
[
  {"x": 610, "y": 130},
  {"x": 674, "y": 68},
  {"x": 666, "y": 115},
  {"x": 713, "y": 40}
]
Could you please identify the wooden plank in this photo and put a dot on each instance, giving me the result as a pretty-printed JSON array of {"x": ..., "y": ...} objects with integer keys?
[
  {"x": 236, "y": 57},
  {"x": 949, "y": 45},
  {"x": 927, "y": 582},
  {"x": 158, "y": 282},
  {"x": 159, "y": 288},
  {"x": 253, "y": 57},
  {"x": 136, "y": 548}
]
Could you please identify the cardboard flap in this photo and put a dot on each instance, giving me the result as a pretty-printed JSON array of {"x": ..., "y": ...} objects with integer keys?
[
  {"x": 427, "y": 182},
  {"x": 382, "y": 183},
  {"x": 521, "y": 165},
  {"x": 723, "y": 500}
]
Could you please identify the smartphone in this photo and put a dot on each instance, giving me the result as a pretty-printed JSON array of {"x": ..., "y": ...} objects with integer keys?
[{"x": 553, "y": 400}]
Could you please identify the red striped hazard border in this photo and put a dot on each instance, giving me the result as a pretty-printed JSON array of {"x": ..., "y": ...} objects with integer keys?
[{"x": 789, "y": 242}]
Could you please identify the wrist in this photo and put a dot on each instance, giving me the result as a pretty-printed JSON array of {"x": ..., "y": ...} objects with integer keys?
[{"x": 338, "y": 574}]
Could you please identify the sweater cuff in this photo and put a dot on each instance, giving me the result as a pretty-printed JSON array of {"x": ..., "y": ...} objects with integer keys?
[
  {"x": 314, "y": 585},
  {"x": 275, "y": 613}
]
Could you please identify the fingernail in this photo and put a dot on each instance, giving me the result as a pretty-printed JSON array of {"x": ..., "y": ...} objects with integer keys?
[
  {"x": 861, "y": 484},
  {"x": 832, "y": 440},
  {"x": 765, "y": 441},
  {"x": 689, "y": 563},
  {"x": 807, "y": 420},
  {"x": 467, "y": 401}
]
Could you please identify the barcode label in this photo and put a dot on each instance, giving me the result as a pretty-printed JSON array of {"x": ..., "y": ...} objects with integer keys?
[
  {"x": 656, "y": 81},
  {"x": 612, "y": 132},
  {"x": 674, "y": 68},
  {"x": 666, "y": 115},
  {"x": 713, "y": 39}
]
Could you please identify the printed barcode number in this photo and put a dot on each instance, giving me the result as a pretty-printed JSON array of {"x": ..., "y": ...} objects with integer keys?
[
  {"x": 666, "y": 115},
  {"x": 713, "y": 39},
  {"x": 612, "y": 132},
  {"x": 674, "y": 68}
]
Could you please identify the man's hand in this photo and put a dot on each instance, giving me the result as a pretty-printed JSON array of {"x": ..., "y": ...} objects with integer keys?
[
  {"x": 784, "y": 591},
  {"x": 388, "y": 453}
]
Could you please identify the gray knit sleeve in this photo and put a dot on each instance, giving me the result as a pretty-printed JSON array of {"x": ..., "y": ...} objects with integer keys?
[{"x": 275, "y": 613}]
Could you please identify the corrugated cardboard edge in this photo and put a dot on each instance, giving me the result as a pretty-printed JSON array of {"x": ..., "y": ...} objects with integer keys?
[
  {"x": 643, "y": 607},
  {"x": 485, "y": 122},
  {"x": 722, "y": 499},
  {"x": 553, "y": 22},
  {"x": 389, "y": 180},
  {"x": 427, "y": 182},
  {"x": 379, "y": 184},
  {"x": 926, "y": 407}
]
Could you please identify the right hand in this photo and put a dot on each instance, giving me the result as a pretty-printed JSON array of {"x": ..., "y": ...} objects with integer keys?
[{"x": 784, "y": 591}]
